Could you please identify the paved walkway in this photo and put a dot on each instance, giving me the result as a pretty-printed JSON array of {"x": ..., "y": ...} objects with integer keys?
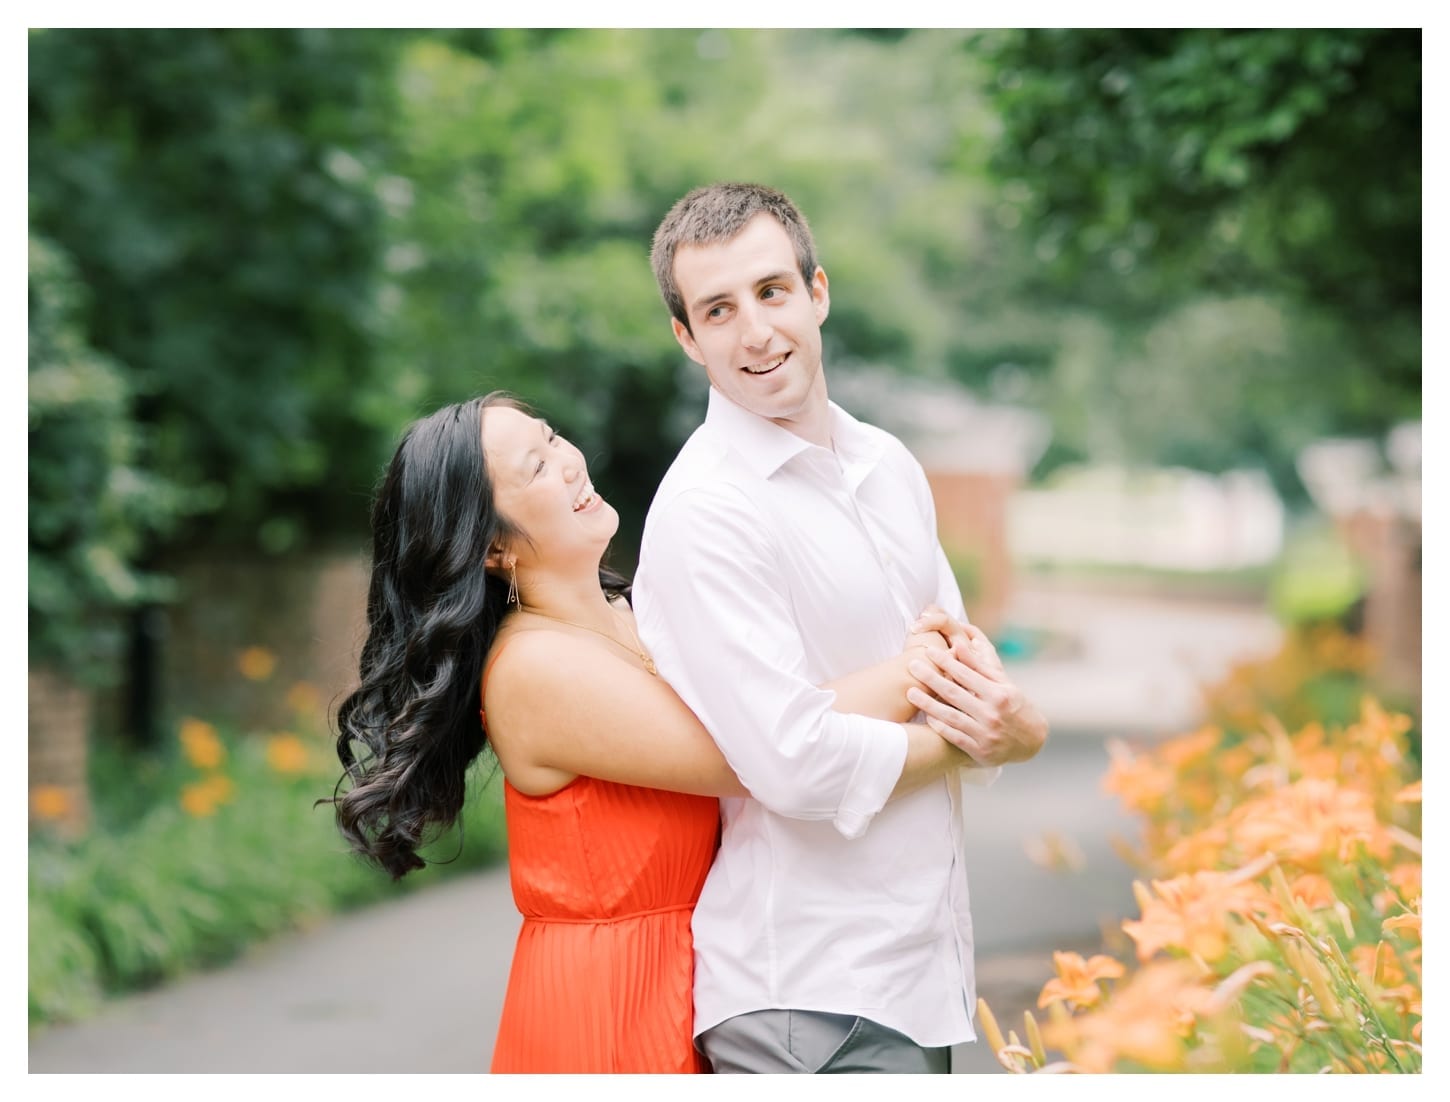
[{"x": 415, "y": 985}]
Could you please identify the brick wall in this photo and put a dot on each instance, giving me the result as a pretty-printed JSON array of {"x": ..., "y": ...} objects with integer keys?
[
  {"x": 59, "y": 719},
  {"x": 971, "y": 515},
  {"x": 307, "y": 611}
]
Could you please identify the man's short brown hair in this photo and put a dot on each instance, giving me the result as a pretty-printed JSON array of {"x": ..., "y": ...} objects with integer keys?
[{"x": 717, "y": 213}]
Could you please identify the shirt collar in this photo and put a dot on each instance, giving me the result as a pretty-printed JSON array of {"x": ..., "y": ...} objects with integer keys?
[{"x": 765, "y": 447}]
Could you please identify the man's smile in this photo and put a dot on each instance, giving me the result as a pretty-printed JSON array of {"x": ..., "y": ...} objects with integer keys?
[{"x": 765, "y": 367}]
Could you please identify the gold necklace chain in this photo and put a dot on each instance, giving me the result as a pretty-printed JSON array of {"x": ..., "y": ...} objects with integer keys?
[{"x": 637, "y": 650}]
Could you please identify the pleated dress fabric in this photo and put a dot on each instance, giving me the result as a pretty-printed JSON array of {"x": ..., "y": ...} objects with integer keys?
[{"x": 606, "y": 876}]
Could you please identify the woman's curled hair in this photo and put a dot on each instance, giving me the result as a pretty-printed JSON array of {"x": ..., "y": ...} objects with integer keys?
[{"x": 408, "y": 733}]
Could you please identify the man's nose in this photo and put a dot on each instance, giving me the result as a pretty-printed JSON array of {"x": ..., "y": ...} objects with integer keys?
[{"x": 755, "y": 327}]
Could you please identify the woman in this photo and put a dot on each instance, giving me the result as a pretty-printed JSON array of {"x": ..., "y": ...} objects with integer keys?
[{"x": 487, "y": 590}]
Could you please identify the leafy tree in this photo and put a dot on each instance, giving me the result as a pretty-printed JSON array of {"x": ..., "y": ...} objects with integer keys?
[
  {"x": 538, "y": 166},
  {"x": 218, "y": 193},
  {"x": 1152, "y": 168},
  {"x": 1234, "y": 215},
  {"x": 90, "y": 503}
]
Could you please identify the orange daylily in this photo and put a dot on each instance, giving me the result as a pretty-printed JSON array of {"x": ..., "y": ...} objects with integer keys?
[
  {"x": 256, "y": 663},
  {"x": 200, "y": 743},
  {"x": 1144, "y": 1021},
  {"x": 1402, "y": 922},
  {"x": 286, "y": 754},
  {"x": 1410, "y": 794},
  {"x": 1077, "y": 979},
  {"x": 50, "y": 801},
  {"x": 1313, "y": 890},
  {"x": 202, "y": 798},
  {"x": 1188, "y": 913},
  {"x": 1138, "y": 780},
  {"x": 303, "y": 698},
  {"x": 1200, "y": 850},
  {"x": 1187, "y": 750},
  {"x": 1309, "y": 822}
]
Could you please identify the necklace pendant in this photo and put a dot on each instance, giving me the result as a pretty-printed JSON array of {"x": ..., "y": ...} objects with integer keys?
[{"x": 649, "y": 664}]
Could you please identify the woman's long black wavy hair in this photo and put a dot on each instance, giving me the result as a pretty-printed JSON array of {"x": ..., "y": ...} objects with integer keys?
[{"x": 408, "y": 733}]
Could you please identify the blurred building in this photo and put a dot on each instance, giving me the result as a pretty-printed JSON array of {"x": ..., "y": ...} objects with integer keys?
[
  {"x": 1159, "y": 518},
  {"x": 976, "y": 456}
]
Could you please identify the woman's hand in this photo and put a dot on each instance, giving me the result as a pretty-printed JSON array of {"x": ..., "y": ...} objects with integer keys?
[{"x": 933, "y": 629}]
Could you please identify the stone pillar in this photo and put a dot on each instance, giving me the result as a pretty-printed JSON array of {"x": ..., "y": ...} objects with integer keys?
[
  {"x": 1390, "y": 545},
  {"x": 59, "y": 718}
]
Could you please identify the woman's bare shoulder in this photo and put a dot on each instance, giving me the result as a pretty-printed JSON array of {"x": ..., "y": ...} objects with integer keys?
[{"x": 542, "y": 657}]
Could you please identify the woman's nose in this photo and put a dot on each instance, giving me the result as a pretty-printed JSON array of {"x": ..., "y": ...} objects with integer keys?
[{"x": 573, "y": 463}]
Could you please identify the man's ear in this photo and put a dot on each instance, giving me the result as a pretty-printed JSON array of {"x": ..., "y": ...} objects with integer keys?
[
  {"x": 687, "y": 342},
  {"x": 821, "y": 294}
]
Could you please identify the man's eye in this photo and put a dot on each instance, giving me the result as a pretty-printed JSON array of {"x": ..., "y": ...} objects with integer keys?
[{"x": 772, "y": 292}]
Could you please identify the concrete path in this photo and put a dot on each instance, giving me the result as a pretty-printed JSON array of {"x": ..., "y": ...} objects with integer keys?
[{"x": 415, "y": 985}]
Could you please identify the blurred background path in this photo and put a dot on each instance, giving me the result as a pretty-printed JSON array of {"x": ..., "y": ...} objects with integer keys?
[{"x": 427, "y": 973}]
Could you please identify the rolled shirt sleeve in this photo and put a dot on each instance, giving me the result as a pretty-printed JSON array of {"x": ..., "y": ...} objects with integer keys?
[{"x": 713, "y": 610}]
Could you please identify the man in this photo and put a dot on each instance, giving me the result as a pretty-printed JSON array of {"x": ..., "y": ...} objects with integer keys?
[{"x": 787, "y": 545}]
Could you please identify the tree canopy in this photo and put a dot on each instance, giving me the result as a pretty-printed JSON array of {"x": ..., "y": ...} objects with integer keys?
[
  {"x": 1275, "y": 172},
  {"x": 263, "y": 252}
]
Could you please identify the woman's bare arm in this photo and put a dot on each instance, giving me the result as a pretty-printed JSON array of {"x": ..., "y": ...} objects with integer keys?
[{"x": 560, "y": 706}]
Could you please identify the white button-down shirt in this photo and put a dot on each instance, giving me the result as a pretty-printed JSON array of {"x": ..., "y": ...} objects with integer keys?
[{"x": 770, "y": 566}]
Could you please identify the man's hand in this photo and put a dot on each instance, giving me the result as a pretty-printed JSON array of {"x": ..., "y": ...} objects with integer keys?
[{"x": 972, "y": 703}]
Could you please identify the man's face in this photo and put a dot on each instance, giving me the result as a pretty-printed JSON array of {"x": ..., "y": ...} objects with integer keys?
[{"x": 757, "y": 325}]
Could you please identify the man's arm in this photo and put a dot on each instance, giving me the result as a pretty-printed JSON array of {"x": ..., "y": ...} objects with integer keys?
[{"x": 713, "y": 609}]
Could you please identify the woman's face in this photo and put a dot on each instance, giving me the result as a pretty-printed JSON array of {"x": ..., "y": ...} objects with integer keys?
[{"x": 541, "y": 485}]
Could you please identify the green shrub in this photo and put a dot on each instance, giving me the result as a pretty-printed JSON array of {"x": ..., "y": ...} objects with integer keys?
[
  {"x": 1317, "y": 579},
  {"x": 967, "y": 568},
  {"x": 65, "y": 979},
  {"x": 189, "y": 866}
]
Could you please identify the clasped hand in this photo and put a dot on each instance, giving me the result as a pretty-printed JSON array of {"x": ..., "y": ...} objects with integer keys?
[{"x": 965, "y": 694}]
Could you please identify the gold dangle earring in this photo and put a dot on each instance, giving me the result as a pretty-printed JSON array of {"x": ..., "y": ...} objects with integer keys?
[{"x": 513, "y": 596}]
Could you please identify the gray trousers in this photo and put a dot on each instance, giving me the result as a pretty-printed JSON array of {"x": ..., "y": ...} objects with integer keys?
[{"x": 809, "y": 1041}]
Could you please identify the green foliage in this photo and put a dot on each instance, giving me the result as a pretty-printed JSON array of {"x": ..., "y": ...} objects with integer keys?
[
  {"x": 65, "y": 974},
  {"x": 1259, "y": 185},
  {"x": 90, "y": 503},
  {"x": 1317, "y": 579},
  {"x": 539, "y": 166},
  {"x": 219, "y": 194},
  {"x": 1289, "y": 158},
  {"x": 1185, "y": 246},
  {"x": 158, "y": 891},
  {"x": 967, "y": 569}
]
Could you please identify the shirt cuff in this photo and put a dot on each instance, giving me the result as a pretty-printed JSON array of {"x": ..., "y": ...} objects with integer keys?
[
  {"x": 981, "y": 776},
  {"x": 883, "y": 757}
]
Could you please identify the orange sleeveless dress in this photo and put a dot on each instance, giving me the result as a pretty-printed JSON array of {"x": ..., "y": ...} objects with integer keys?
[{"x": 606, "y": 876}]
